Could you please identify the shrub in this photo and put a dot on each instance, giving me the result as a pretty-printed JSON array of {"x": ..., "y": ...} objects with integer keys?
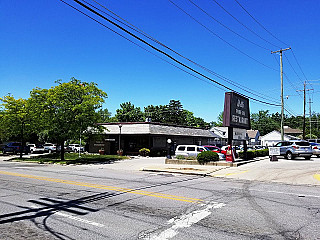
[
  {"x": 255, "y": 153},
  {"x": 207, "y": 156},
  {"x": 144, "y": 151},
  {"x": 180, "y": 157}
]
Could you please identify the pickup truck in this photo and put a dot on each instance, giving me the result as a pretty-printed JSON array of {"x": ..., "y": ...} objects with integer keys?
[{"x": 15, "y": 147}]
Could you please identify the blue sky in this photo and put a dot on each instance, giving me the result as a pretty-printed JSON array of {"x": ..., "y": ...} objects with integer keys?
[{"x": 42, "y": 41}]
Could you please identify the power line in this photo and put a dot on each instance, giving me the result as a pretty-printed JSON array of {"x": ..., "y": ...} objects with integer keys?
[
  {"x": 209, "y": 15},
  {"x": 158, "y": 50},
  {"x": 242, "y": 87},
  {"x": 215, "y": 34},
  {"x": 260, "y": 23},
  {"x": 244, "y": 24}
]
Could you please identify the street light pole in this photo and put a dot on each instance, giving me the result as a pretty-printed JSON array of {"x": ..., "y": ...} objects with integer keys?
[{"x": 119, "y": 149}]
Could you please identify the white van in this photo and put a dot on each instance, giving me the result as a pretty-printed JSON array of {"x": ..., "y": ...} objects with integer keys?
[{"x": 189, "y": 150}]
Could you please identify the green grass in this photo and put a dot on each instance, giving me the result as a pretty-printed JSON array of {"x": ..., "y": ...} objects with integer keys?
[{"x": 73, "y": 158}]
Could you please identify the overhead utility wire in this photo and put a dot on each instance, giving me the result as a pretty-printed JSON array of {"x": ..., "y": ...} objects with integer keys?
[
  {"x": 206, "y": 81},
  {"x": 298, "y": 64},
  {"x": 242, "y": 87},
  {"x": 287, "y": 78},
  {"x": 244, "y": 25},
  {"x": 209, "y": 15},
  {"x": 231, "y": 45},
  {"x": 260, "y": 23},
  {"x": 166, "y": 54},
  {"x": 293, "y": 68},
  {"x": 274, "y": 37}
]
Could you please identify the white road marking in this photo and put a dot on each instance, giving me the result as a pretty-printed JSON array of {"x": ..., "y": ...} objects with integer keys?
[
  {"x": 185, "y": 221},
  {"x": 80, "y": 219},
  {"x": 76, "y": 218}
]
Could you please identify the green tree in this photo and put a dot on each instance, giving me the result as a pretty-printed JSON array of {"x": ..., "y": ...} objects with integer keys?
[
  {"x": 129, "y": 113},
  {"x": 105, "y": 115},
  {"x": 156, "y": 113},
  {"x": 219, "y": 122},
  {"x": 263, "y": 122},
  {"x": 17, "y": 122},
  {"x": 174, "y": 113},
  {"x": 68, "y": 109}
]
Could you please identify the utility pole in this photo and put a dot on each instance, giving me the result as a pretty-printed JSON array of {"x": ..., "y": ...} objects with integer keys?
[
  {"x": 304, "y": 109},
  {"x": 282, "y": 103},
  {"x": 310, "y": 115}
]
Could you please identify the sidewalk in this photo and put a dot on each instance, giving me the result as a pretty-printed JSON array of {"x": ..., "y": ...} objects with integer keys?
[{"x": 297, "y": 171}]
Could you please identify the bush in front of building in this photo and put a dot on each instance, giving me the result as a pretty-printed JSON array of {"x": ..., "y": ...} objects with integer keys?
[
  {"x": 254, "y": 153},
  {"x": 207, "y": 156},
  {"x": 144, "y": 152}
]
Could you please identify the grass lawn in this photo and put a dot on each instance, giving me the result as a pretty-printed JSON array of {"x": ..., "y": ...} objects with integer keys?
[{"x": 73, "y": 158}]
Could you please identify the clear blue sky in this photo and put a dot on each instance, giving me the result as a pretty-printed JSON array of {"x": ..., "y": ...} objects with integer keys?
[{"x": 42, "y": 41}]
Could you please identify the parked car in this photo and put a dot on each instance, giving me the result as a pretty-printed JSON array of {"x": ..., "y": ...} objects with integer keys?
[
  {"x": 189, "y": 150},
  {"x": 194, "y": 150},
  {"x": 215, "y": 149},
  {"x": 36, "y": 148},
  {"x": 315, "y": 148},
  {"x": 66, "y": 149},
  {"x": 50, "y": 147},
  {"x": 295, "y": 148},
  {"x": 76, "y": 147},
  {"x": 15, "y": 147}
]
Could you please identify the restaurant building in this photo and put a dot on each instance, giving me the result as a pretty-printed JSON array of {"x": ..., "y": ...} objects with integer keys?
[{"x": 130, "y": 137}]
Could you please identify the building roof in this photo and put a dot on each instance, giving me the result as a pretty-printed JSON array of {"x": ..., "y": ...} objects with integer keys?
[
  {"x": 150, "y": 128},
  {"x": 289, "y": 130},
  {"x": 252, "y": 133}
]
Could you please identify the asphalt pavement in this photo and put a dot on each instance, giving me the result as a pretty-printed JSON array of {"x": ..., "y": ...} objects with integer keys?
[{"x": 297, "y": 171}]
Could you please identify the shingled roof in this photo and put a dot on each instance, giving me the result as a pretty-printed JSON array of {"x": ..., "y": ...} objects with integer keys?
[{"x": 149, "y": 128}]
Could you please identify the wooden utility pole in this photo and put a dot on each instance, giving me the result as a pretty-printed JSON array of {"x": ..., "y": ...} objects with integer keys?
[
  {"x": 304, "y": 109},
  {"x": 282, "y": 103}
]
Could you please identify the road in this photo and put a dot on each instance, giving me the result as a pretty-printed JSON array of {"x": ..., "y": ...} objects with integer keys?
[{"x": 40, "y": 201}]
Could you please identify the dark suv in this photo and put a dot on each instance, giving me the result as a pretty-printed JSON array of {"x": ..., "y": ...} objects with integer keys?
[
  {"x": 14, "y": 147},
  {"x": 295, "y": 148}
]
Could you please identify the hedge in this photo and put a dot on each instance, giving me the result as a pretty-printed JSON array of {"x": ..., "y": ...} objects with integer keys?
[
  {"x": 254, "y": 153},
  {"x": 207, "y": 156}
]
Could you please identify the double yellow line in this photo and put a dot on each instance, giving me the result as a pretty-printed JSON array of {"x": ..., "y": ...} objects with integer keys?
[{"x": 111, "y": 188}]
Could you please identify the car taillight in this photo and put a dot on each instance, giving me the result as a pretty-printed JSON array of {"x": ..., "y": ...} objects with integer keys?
[
  {"x": 295, "y": 147},
  {"x": 315, "y": 147}
]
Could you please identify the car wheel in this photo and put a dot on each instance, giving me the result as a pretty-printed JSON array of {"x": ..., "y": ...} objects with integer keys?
[
  {"x": 31, "y": 151},
  {"x": 50, "y": 151},
  {"x": 307, "y": 158},
  {"x": 318, "y": 155},
  {"x": 14, "y": 152},
  {"x": 289, "y": 156}
]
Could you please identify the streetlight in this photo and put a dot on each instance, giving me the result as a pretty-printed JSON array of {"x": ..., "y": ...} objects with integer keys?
[
  {"x": 169, "y": 141},
  {"x": 119, "y": 150}
]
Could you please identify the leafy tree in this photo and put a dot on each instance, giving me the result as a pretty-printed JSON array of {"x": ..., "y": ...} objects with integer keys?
[
  {"x": 174, "y": 113},
  {"x": 263, "y": 122},
  {"x": 156, "y": 113},
  {"x": 219, "y": 122},
  {"x": 105, "y": 115},
  {"x": 68, "y": 109},
  {"x": 129, "y": 113},
  {"x": 16, "y": 119}
]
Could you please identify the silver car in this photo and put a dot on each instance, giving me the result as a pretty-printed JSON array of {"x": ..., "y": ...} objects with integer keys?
[
  {"x": 295, "y": 148},
  {"x": 315, "y": 148}
]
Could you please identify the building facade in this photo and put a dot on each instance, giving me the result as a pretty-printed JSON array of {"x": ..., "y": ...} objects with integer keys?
[{"x": 131, "y": 137}]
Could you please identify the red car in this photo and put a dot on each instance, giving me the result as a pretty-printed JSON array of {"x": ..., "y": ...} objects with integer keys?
[{"x": 215, "y": 149}]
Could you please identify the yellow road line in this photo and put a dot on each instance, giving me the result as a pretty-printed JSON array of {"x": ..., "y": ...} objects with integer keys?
[
  {"x": 317, "y": 176},
  {"x": 229, "y": 174},
  {"x": 99, "y": 186}
]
